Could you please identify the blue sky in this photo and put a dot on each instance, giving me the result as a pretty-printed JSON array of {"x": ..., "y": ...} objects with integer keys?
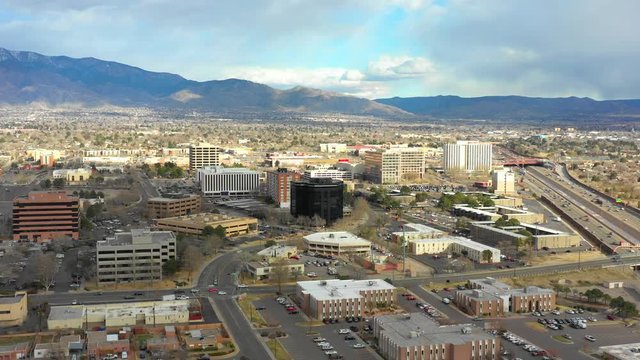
[{"x": 369, "y": 48}]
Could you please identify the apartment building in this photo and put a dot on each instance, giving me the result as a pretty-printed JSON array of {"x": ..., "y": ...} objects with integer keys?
[
  {"x": 195, "y": 224},
  {"x": 279, "y": 185},
  {"x": 468, "y": 156},
  {"x": 322, "y": 197},
  {"x": 218, "y": 181},
  {"x": 337, "y": 243},
  {"x": 475, "y": 251},
  {"x": 42, "y": 216},
  {"x": 417, "y": 337},
  {"x": 489, "y": 297},
  {"x": 162, "y": 207},
  {"x": 13, "y": 309},
  {"x": 503, "y": 182},
  {"x": 336, "y": 299},
  {"x": 137, "y": 255},
  {"x": 391, "y": 166},
  {"x": 203, "y": 155}
]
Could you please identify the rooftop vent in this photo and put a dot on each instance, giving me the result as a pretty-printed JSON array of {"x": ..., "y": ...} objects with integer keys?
[
  {"x": 371, "y": 282},
  {"x": 466, "y": 330},
  {"x": 323, "y": 282}
]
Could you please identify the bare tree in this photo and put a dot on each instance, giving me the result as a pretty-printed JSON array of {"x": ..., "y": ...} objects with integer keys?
[
  {"x": 46, "y": 269},
  {"x": 317, "y": 221},
  {"x": 279, "y": 273},
  {"x": 191, "y": 259},
  {"x": 360, "y": 208}
]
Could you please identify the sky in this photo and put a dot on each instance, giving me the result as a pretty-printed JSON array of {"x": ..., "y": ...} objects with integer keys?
[{"x": 367, "y": 48}]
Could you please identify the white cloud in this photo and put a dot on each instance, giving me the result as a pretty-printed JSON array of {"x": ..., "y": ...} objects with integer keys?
[{"x": 390, "y": 67}]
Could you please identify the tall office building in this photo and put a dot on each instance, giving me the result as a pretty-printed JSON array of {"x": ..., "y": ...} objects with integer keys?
[
  {"x": 384, "y": 166},
  {"x": 468, "y": 156},
  {"x": 503, "y": 182},
  {"x": 203, "y": 155},
  {"x": 322, "y": 197},
  {"x": 279, "y": 185},
  {"x": 219, "y": 181},
  {"x": 43, "y": 216}
]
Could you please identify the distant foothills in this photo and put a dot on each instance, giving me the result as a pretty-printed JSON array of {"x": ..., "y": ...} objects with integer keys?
[{"x": 28, "y": 77}]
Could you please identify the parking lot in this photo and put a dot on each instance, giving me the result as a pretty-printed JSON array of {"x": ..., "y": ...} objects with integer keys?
[{"x": 301, "y": 346}]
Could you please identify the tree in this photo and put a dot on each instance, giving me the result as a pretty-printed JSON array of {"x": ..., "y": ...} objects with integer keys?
[
  {"x": 421, "y": 197},
  {"x": 208, "y": 230},
  {"x": 318, "y": 221},
  {"x": 45, "y": 269},
  {"x": 628, "y": 309},
  {"x": 464, "y": 252},
  {"x": 58, "y": 183},
  {"x": 170, "y": 267},
  {"x": 45, "y": 184},
  {"x": 270, "y": 243},
  {"x": 405, "y": 190},
  {"x": 191, "y": 259},
  {"x": 617, "y": 302},
  {"x": 279, "y": 273},
  {"x": 487, "y": 256}
]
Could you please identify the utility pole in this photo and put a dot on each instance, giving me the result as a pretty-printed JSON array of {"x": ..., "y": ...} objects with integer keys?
[{"x": 404, "y": 250}]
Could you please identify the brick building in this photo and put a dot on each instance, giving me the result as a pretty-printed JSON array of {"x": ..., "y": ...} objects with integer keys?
[
  {"x": 489, "y": 297},
  {"x": 335, "y": 299},
  {"x": 160, "y": 207},
  {"x": 417, "y": 337},
  {"x": 46, "y": 215},
  {"x": 279, "y": 186}
]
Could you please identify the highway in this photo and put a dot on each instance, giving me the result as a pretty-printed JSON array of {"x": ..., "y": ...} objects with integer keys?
[{"x": 595, "y": 211}]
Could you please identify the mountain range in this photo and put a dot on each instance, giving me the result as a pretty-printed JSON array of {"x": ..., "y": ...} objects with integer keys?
[{"x": 28, "y": 77}]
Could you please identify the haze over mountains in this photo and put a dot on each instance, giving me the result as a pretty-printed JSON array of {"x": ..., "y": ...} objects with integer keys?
[{"x": 27, "y": 77}]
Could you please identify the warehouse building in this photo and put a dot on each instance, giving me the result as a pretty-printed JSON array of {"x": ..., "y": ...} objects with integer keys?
[{"x": 543, "y": 238}]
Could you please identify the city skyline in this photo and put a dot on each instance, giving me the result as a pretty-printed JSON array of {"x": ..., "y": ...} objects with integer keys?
[{"x": 368, "y": 49}]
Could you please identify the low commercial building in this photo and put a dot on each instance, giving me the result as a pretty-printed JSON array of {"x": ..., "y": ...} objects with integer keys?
[
  {"x": 416, "y": 337},
  {"x": 134, "y": 256},
  {"x": 620, "y": 352},
  {"x": 493, "y": 213},
  {"x": 42, "y": 216},
  {"x": 218, "y": 181},
  {"x": 163, "y": 207},
  {"x": 13, "y": 309},
  {"x": 101, "y": 343},
  {"x": 489, "y": 297},
  {"x": 195, "y": 224},
  {"x": 333, "y": 148},
  {"x": 417, "y": 231},
  {"x": 455, "y": 244},
  {"x": 261, "y": 270},
  {"x": 61, "y": 349},
  {"x": 73, "y": 176},
  {"x": 16, "y": 351},
  {"x": 543, "y": 238},
  {"x": 277, "y": 251},
  {"x": 335, "y": 299},
  {"x": 120, "y": 314},
  {"x": 503, "y": 181},
  {"x": 498, "y": 200},
  {"x": 337, "y": 243}
]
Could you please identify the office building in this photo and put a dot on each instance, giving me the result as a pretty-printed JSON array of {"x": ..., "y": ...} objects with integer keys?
[
  {"x": 489, "y": 297},
  {"x": 203, "y": 155},
  {"x": 261, "y": 270},
  {"x": 474, "y": 251},
  {"x": 337, "y": 243},
  {"x": 163, "y": 207},
  {"x": 467, "y": 156},
  {"x": 121, "y": 314},
  {"x": 276, "y": 252},
  {"x": 327, "y": 173},
  {"x": 503, "y": 182},
  {"x": 391, "y": 166},
  {"x": 42, "y": 216},
  {"x": 543, "y": 238},
  {"x": 336, "y": 299},
  {"x": 493, "y": 213},
  {"x": 322, "y": 197},
  {"x": 415, "y": 336},
  {"x": 134, "y": 256},
  {"x": 195, "y": 224},
  {"x": 13, "y": 309},
  {"x": 414, "y": 231},
  {"x": 218, "y": 181},
  {"x": 279, "y": 185},
  {"x": 73, "y": 176}
]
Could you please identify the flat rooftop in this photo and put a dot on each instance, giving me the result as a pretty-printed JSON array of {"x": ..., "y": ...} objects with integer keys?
[
  {"x": 138, "y": 236},
  {"x": 173, "y": 198},
  {"x": 623, "y": 351},
  {"x": 535, "y": 229},
  {"x": 489, "y": 287},
  {"x": 337, "y": 238},
  {"x": 225, "y": 170},
  {"x": 204, "y": 219},
  {"x": 457, "y": 239},
  {"x": 418, "y": 228},
  {"x": 12, "y": 299},
  {"x": 342, "y": 289},
  {"x": 417, "y": 329},
  {"x": 119, "y": 309}
]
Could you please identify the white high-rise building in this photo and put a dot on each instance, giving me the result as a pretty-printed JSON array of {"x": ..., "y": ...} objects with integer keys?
[
  {"x": 503, "y": 182},
  {"x": 216, "y": 181},
  {"x": 203, "y": 155},
  {"x": 468, "y": 156}
]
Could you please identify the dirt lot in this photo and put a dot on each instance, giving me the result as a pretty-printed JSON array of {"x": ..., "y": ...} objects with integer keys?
[
  {"x": 577, "y": 278},
  {"x": 563, "y": 258}
]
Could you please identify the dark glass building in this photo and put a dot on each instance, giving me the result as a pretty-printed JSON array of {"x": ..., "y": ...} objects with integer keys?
[{"x": 322, "y": 197}]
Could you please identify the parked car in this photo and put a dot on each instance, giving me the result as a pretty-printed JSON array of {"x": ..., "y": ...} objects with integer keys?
[{"x": 590, "y": 338}]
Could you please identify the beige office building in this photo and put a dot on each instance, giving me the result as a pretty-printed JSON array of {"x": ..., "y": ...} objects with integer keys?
[
  {"x": 134, "y": 256},
  {"x": 195, "y": 224},
  {"x": 13, "y": 309},
  {"x": 160, "y": 207},
  {"x": 203, "y": 155},
  {"x": 503, "y": 182},
  {"x": 391, "y": 166}
]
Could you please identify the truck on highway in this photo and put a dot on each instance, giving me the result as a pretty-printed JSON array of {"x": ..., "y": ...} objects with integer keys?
[{"x": 168, "y": 297}]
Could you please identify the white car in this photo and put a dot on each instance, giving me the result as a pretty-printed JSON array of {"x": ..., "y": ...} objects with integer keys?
[
  {"x": 182, "y": 297},
  {"x": 319, "y": 339},
  {"x": 74, "y": 302},
  {"x": 323, "y": 344},
  {"x": 242, "y": 286},
  {"x": 590, "y": 338},
  {"x": 331, "y": 352},
  {"x": 222, "y": 293},
  {"x": 358, "y": 346},
  {"x": 344, "y": 331}
]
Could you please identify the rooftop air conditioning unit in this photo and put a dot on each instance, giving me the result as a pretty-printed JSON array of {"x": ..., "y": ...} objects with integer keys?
[{"x": 323, "y": 282}]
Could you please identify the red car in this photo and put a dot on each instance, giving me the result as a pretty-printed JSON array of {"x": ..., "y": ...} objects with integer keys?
[
  {"x": 291, "y": 308},
  {"x": 411, "y": 297},
  {"x": 611, "y": 317},
  {"x": 211, "y": 290}
]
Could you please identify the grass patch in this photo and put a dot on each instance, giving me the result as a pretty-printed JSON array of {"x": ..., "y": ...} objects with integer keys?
[
  {"x": 536, "y": 326},
  {"x": 142, "y": 339},
  {"x": 278, "y": 350},
  {"x": 562, "y": 339},
  {"x": 312, "y": 323},
  {"x": 249, "y": 310}
]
